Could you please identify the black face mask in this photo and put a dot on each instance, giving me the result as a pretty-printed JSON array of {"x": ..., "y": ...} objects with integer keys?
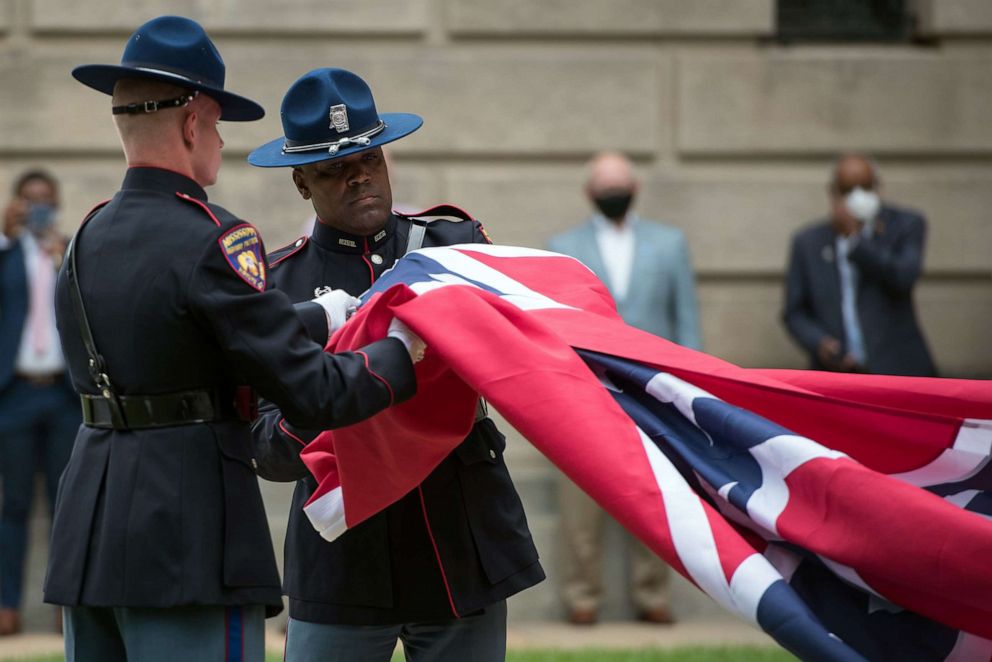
[{"x": 614, "y": 204}]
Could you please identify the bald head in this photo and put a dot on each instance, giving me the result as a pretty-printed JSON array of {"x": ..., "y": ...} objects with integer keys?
[
  {"x": 610, "y": 171},
  {"x": 853, "y": 171},
  {"x": 611, "y": 184}
]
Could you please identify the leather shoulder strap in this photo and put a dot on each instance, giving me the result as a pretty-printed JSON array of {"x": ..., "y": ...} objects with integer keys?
[{"x": 96, "y": 364}]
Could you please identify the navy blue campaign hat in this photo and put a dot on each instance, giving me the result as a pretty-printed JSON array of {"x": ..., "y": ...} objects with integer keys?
[
  {"x": 328, "y": 114},
  {"x": 174, "y": 50}
]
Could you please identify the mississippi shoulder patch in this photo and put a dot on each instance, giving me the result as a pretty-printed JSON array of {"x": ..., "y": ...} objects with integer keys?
[{"x": 243, "y": 251}]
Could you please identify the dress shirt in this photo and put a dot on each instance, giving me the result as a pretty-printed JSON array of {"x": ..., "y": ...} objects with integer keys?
[
  {"x": 39, "y": 355},
  {"x": 849, "y": 293},
  {"x": 616, "y": 247}
]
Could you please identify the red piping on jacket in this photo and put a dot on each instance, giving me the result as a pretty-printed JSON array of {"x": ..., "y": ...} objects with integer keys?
[
  {"x": 282, "y": 426},
  {"x": 437, "y": 554},
  {"x": 195, "y": 201},
  {"x": 365, "y": 257},
  {"x": 392, "y": 398}
]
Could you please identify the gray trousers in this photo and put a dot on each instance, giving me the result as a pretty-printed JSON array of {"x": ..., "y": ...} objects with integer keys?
[
  {"x": 477, "y": 638},
  {"x": 190, "y": 634}
]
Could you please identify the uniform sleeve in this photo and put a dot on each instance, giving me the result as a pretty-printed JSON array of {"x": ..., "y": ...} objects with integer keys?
[
  {"x": 262, "y": 337},
  {"x": 479, "y": 234},
  {"x": 277, "y": 445},
  {"x": 896, "y": 263}
]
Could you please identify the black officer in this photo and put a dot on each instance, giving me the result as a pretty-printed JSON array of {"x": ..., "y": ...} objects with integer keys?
[
  {"x": 160, "y": 546},
  {"x": 435, "y": 568}
]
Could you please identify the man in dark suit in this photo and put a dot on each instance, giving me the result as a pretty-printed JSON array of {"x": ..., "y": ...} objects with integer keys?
[
  {"x": 849, "y": 287},
  {"x": 434, "y": 569},
  {"x": 160, "y": 544},
  {"x": 39, "y": 412}
]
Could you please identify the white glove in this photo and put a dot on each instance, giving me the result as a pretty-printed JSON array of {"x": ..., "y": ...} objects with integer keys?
[
  {"x": 337, "y": 304},
  {"x": 415, "y": 346}
]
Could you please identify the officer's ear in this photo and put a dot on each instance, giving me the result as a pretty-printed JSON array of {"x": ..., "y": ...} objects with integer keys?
[
  {"x": 189, "y": 128},
  {"x": 301, "y": 183}
]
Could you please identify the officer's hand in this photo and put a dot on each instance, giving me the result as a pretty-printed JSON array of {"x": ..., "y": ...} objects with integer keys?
[
  {"x": 415, "y": 346},
  {"x": 337, "y": 304}
]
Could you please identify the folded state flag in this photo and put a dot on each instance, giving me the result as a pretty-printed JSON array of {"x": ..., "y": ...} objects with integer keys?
[{"x": 847, "y": 516}]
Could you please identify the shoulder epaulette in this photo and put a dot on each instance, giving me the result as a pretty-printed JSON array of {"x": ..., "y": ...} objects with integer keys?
[
  {"x": 446, "y": 211},
  {"x": 280, "y": 254},
  {"x": 201, "y": 204}
]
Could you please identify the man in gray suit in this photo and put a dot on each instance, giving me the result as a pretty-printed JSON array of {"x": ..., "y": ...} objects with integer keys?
[{"x": 647, "y": 269}]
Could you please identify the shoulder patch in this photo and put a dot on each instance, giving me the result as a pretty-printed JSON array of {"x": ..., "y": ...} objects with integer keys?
[{"x": 242, "y": 249}]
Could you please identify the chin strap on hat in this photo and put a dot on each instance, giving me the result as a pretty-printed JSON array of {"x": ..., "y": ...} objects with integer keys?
[
  {"x": 153, "y": 106},
  {"x": 364, "y": 139}
]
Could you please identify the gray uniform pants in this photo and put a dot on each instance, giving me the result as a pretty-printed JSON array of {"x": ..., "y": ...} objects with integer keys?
[
  {"x": 477, "y": 638},
  {"x": 190, "y": 634}
]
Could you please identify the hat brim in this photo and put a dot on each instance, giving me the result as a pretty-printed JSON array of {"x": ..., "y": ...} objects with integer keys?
[
  {"x": 103, "y": 77},
  {"x": 270, "y": 155}
]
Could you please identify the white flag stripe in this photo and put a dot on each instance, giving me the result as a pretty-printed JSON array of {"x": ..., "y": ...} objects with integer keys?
[
  {"x": 696, "y": 547},
  {"x": 969, "y": 454},
  {"x": 778, "y": 457},
  {"x": 468, "y": 267}
]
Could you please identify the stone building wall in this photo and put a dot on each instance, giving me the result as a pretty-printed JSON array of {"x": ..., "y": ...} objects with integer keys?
[{"x": 733, "y": 134}]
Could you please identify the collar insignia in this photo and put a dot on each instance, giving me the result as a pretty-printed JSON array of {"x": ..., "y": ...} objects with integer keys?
[{"x": 347, "y": 242}]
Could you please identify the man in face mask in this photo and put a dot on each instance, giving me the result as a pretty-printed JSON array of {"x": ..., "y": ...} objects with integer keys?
[
  {"x": 39, "y": 412},
  {"x": 647, "y": 268},
  {"x": 851, "y": 277}
]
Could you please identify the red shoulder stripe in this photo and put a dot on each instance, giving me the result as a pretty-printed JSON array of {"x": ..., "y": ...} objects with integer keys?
[
  {"x": 444, "y": 210},
  {"x": 201, "y": 204},
  {"x": 93, "y": 211},
  {"x": 297, "y": 247}
]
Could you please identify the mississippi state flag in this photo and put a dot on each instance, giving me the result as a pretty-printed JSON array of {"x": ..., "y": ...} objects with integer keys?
[{"x": 845, "y": 515}]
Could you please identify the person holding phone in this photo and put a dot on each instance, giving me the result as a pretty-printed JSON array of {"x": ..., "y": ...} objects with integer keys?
[{"x": 38, "y": 409}]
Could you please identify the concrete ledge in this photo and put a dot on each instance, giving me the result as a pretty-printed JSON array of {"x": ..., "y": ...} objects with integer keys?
[
  {"x": 783, "y": 102},
  {"x": 958, "y": 17},
  {"x": 611, "y": 17},
  {"x": 486, "y": 101},
  {"x": 737, "y": 219},
  {"x": 308, "y": 16},
  {"x": 6, "y": 15}
]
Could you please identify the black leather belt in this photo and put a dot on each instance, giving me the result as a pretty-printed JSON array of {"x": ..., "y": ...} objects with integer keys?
[{"x": 156, "y": 411}]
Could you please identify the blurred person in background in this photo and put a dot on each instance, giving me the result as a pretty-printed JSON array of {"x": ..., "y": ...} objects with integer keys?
[
  {"x": 648, "y": 270},
  {"x": 39, "y": 412},
  {"x": 849, "y": 285}
]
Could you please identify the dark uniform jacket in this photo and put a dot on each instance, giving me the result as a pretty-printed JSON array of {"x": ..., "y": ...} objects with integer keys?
[
  {"x": 172, "y": 516},
  {"x": 889, "y": 263},
  {"x": 450, "y": 547}
]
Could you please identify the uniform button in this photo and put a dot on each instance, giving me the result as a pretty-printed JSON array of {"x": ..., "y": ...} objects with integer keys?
[
  {"x": 492, "y": 453},
  {"x": 376, "y": 259},
  {"x": 299, "y": 242},
  {"x": 254, "y": 464}
]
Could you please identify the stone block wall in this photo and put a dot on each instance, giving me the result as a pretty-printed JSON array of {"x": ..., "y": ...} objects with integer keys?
[{"x": 733, "y": 134}]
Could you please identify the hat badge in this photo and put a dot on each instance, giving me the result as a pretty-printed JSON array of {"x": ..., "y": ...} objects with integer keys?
[{"x": 339, "y": 118}]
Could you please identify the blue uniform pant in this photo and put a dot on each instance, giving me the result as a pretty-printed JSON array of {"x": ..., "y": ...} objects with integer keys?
[
  {"x": 38, "y": 425},
  {"x": 480, "y": 638},
  {"x": 144, "y": 634}
]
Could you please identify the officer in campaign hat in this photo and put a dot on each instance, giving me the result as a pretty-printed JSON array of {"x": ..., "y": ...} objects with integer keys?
[
  {"x": 160, "y": 547},
  {"x": 433, "y": 570}
]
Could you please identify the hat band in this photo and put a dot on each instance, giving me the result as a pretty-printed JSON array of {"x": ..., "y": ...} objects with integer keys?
[
  {"x": 364, "y": 139},
  {"x": 177, "y": 76}
]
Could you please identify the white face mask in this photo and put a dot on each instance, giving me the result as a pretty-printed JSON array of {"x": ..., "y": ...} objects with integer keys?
[{"x": 862, "y": 204}]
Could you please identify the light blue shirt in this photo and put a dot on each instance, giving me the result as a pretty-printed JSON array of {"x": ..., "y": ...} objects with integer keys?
[{"x": 849, "y": 295}]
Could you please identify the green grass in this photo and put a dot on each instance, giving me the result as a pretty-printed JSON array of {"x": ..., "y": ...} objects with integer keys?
[{"x": 694, "y": 654}]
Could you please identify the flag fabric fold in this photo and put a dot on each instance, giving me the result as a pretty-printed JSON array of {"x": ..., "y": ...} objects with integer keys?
[{"x": 847, "y": 516}]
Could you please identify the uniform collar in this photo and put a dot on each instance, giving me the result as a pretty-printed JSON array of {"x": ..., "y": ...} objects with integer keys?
[
  {"x": 344, "y": 242},
  {"x": 164, "y": 181}
]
